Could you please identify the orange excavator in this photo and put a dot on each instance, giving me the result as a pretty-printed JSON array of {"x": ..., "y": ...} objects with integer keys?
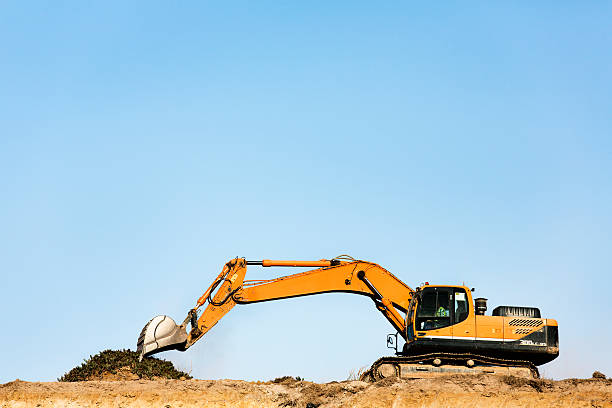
[{"x": 444, "y": 328}]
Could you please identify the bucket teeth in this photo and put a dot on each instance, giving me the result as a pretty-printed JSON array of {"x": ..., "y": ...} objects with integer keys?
[{"x": 140, "y": 344}]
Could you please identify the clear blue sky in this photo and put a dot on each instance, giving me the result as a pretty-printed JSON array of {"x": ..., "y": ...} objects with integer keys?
[{"x": 146, "y": 143}]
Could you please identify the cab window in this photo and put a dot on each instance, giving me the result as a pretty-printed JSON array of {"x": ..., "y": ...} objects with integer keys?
[
  {"x": 461, "y": 305},
  {"x": 434, "y": 311}
]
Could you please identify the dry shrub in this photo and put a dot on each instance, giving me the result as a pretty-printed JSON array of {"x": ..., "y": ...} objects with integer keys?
[
  {"x": 287, "y": 380},
  {"x": 358, "y": 375}
]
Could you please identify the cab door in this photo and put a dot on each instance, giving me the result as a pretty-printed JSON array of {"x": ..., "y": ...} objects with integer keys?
[
  {"x": 434, "y": 315},
  {"x": 464, "y": 321}
]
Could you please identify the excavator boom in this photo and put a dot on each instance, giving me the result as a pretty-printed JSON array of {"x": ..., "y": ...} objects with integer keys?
[{"x": 342, "y": 274}]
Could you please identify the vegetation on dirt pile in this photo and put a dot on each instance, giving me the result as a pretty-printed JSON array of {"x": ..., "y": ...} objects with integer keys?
[
  {"x": 599, "y": 375},
  {"x": 111, "y": 361},
  {"x": 286, "y": 380}
]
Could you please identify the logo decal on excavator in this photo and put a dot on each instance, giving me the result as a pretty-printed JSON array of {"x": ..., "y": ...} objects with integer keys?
[
  {"x": 234, "y": 277},
  {"x": 531, "y": 343}
]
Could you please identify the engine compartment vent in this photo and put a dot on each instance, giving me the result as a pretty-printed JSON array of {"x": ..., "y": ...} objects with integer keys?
[
  {"x": 525, "y": 322},
  {"x": 517, "y": 311}
]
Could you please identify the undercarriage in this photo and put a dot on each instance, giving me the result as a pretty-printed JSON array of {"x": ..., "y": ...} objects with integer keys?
[{"x": 433, "y": 364}]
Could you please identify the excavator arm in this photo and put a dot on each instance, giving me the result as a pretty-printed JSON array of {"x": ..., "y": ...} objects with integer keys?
[{"x": 341, "y": 274}]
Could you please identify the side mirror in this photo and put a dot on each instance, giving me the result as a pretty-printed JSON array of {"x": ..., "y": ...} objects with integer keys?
[{"x": 392, "y": 341}]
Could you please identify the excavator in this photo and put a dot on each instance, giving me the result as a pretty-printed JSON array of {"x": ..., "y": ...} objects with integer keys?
[{"x": 444, "y": 328}]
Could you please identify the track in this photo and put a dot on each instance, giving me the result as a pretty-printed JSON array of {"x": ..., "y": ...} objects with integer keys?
[{"x": 426, "y": 362}]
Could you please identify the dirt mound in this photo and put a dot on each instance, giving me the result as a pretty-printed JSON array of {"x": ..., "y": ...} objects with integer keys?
[
  {"x": 122, "y": 365},
  {"x": 450, "y": 391}
]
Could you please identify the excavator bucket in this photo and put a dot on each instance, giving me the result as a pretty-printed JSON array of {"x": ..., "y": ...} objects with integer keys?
[{"x": 161, "y": 334}]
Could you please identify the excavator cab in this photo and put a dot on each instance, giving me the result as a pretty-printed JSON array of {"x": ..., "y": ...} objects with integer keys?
[
  {"x": 437, "y": 307},
  {"x": 448, "y": 318}
]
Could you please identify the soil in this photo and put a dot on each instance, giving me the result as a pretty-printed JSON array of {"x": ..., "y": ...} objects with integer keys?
[{"x": 447, "y": 391}]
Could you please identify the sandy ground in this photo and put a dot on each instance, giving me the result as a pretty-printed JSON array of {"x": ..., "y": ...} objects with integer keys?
[{"x": 450, "y": 391}]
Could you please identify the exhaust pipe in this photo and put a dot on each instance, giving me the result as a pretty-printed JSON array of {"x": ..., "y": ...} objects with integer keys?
[
  {"x": 480, "y": 306},
  {"x": 161, "y": 334}
]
